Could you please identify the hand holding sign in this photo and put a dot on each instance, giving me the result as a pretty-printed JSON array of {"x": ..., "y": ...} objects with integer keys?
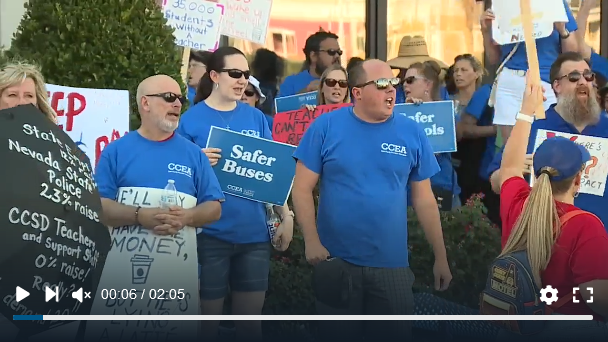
[
  {"x": 213, "y": 154},
  {"x": 533, "y": 97},
  {"x": 533, "y": 67}
]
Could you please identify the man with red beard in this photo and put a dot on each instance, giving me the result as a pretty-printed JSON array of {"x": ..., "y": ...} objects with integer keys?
[{"x": 576, "y": 112}]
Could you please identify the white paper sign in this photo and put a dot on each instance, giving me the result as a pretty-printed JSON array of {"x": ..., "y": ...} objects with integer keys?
[
  {"x": 507, "y": 28},
  {"x": 162, "y": 272},
  {"x": 197, "y": 23},
  {"x": 247, "y": 19},
  {"x": 595, "y": 173},
  {"x": 93, "y": 118}
]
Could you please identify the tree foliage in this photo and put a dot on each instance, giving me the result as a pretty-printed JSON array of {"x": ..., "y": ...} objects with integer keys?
[{"x": 103, "y": 44}]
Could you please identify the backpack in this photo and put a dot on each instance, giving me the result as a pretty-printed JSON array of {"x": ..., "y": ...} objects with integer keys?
[{"x": 511, "y": 290}]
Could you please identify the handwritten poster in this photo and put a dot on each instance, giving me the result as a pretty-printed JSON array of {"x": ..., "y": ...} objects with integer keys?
[
  {"x": 247, "y": 19},
  {"x": 197, "y": 23},
  {"x": 289, "y": 127},
  {"x": 52, "y": 236},
  {"x": 148, "y": 274},
  {"x": 508, "y": 28},
  {"x": 293, "y": 102},
  {"x": 437, "y": 120},
  {"x": 595, "y": 173},
  {"x": 91, "y": 117},
  {"x": 254, "y": 168}
]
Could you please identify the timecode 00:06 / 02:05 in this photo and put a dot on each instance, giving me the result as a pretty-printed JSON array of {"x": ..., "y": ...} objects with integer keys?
[{"x": 160, "y": 294}]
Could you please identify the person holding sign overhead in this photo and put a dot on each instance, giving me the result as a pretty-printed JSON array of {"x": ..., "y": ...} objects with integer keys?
[
  {"x": 364, "y": 157},
  {"x": 234, "y": 252},
  {"x": 510, "y": 79}
]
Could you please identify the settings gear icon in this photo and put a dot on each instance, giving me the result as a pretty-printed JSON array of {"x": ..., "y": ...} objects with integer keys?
[{"x": 553, "y": 295}]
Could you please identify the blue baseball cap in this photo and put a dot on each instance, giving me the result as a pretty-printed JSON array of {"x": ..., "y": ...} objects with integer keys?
[{"x": 561, "y": 154}]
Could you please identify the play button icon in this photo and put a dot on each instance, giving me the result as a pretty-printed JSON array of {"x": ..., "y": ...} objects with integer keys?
[{"x": 20, "y": 294}]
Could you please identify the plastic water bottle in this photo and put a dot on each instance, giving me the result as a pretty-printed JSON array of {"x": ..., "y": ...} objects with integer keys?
[
  {"x": 272, "y": 223},
  {"x": 169, "y": 196}
]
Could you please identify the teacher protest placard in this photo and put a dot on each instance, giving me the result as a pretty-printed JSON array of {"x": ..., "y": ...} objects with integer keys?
[
  {"x": 247, "y": 19},
  {"x": 93, "y": 118},
  {"x": 293, "y": 102},
  {"x": 437, "y": 120},
  {"x": 289, "y": 127},
  {"x": 148, "y": 274},
  {"x": 254, "y": 168},
  {"x": 508, "y": 26},
  {"x": 52, "y": 237},
  {"x": 595, "y": 173},
  {"x": 196, "y": 23}
]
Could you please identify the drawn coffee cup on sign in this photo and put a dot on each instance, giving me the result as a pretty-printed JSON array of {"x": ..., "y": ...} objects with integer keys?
[{"x": 140, "y": 268}]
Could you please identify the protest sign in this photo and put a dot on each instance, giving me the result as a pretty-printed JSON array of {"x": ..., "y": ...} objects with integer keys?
[
  {"x": 437, "y": 120},
  {"x": 148, "y": 274},
  {"x": 595, "y": 173},
  {"x": 247, "y": 19},
  {"x": 293, "y": 102},
  {"x": 508, "y": 26},
  {"x": 52, "y": 236},
  {"x": 253, "y": 168},
  {"x": 91, "y": 117},
  {"x": 289, "y": 127},
  {"x": 196, "y": 23}
]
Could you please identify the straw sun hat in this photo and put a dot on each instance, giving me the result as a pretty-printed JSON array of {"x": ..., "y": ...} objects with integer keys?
[{"x": 413, "y": 50}]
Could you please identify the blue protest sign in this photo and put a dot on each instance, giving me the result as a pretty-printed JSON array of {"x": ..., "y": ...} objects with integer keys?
[
  {"x": 254, "y": 168},
  {"x": 437, "y": 120},
  {"x": 294, "y": 102}
]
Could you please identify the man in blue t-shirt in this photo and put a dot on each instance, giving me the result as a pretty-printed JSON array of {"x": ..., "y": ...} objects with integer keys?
[
  {"x": 321, "y": 51},
  {"x": 576, "y": 112},
  {"x": 365, "y": 157}
]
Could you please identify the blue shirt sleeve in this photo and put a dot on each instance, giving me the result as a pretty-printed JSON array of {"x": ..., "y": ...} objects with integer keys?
[
  {"x": 182, "y": 130},
  {"x": 571, "y": 24},
  {"x": 478, "y": 103},
  {"x": 207, "y": 186},
  {"x": 599, "y": 65},
  {"x": 105, "y": 174},
  {"x": 309, "y": 151},
  {"x": 286, "y": 88},
  {"x": 426, "y": 166},
  {"x": 266, "y": 131}
]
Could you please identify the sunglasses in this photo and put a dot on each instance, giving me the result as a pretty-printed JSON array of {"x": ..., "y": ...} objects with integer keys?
[
  {"x": 249, "y": 93},
  {"x": 412, "y": 79},
  {"x": 575, "y": 76},
  {"x": 169, "y": 97},
  {"x": 381, "y": 83},
  {"x": 330, "y": 82},
  {"x": 332, "y": 52},
  {"x": 236, "y": 73}
]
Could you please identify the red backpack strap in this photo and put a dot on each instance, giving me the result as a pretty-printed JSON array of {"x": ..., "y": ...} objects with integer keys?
[{"x": 573, "y": 213}]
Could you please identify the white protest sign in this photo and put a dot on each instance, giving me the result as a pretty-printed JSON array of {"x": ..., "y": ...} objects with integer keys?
[
  {"x": 508, "y": 28},
  {"x": 196, "y": 23},
  {"x": 91, "y": 117},
  {"x": 247, "y": 19},
  {"x": 148, "y": 274},
  {"x": 595, "y": 173}
]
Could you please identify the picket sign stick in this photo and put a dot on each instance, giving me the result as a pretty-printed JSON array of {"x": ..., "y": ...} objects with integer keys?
[
  {"x": 533, "y": 68},
  {"x": 185, "y": 63}
]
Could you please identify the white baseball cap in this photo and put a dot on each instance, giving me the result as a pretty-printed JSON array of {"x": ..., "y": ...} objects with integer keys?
[{"x": 256, "y": 84}]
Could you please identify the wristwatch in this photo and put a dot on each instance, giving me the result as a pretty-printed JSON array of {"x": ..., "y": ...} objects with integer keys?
[
  {"x": 524, "y": 117},
  {"x": 565, "y": 35}
]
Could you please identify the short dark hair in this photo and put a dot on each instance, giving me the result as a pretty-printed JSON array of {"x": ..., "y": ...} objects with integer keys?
[
  {"x": 556, "y": 67},
  {"x": 216, "y": 62},
  {"x": 200, "y": 56},
  {"x": 357, "y": 75},
  {"x": 352, "y": 62},
  {"x": 313, "y": 43},
  {"x": 267, "y": 66}
]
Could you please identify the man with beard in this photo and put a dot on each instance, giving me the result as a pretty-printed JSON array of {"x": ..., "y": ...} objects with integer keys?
[
  {"x": 576, "y": 112},
  {"x": 321, "y": 50}
]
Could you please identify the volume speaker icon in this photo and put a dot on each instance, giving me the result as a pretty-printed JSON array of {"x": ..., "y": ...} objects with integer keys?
[
  {"x": 77, "y": 295},
  {"x": 50, "y": 293}
]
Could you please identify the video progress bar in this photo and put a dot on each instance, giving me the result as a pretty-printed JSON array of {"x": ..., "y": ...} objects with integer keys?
[{"x": 303, "y": 318}]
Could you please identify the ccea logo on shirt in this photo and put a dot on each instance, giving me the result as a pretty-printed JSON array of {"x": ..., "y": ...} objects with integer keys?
[
  {"x": 180, "y": 169},
  {"x": 393, "y": 149},
  {"x": 251, "y": 132}
]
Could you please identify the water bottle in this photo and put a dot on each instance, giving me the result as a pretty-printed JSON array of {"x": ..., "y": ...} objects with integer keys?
[
  {"x": 169, "y": 196},
  {"x": 272, "y": 223}
]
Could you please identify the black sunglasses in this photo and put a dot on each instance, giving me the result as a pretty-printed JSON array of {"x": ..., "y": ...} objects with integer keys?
[
  {"x": 249, "y": 93},
  {"x": 236, "y": 73},
  {"x": 575, "y": 76},
  {"x": 332, "y": 52},
  {"x": 330, "y": 82},
  {"x": 412, "y": 79},
  {"x": 169, "y": 97},
  {"x": 381, "y": 83}
]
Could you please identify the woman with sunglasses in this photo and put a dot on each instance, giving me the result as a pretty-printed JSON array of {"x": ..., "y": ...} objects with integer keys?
[
  {"x": 234, "y": 252},
  {"x": 333, "y": 88},
  {"x": 422, "y": 84}
]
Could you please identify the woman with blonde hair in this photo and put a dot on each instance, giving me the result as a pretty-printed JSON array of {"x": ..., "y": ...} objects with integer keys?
[
  {"x": 22, "y": 84},
  {"x": 333, "y": 87}
]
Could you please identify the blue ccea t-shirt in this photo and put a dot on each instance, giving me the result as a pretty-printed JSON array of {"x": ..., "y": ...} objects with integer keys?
[
  {"x": 479, "y": 109},
  {"x": 243, "y": 220},
  {"x": 134, "y": 161},
  {"x": 554, "y": 122},
  {"x": 295, "y": 83},
  {"x": 548, "y": 49},
  {"x": 364, "y": 170}
]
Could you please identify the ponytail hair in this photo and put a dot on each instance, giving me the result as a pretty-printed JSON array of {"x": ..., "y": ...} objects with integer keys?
[
  {"x": 216, "y": 62},
  {"x": 204, "y": 88},
  {"x": 538, "y": 225}
]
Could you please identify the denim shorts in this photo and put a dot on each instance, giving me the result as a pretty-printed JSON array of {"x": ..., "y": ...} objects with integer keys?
[{"x": 225, "y": 266}]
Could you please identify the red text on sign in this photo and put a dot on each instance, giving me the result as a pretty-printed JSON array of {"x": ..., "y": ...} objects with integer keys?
[{"x": 76, "y": 103}]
